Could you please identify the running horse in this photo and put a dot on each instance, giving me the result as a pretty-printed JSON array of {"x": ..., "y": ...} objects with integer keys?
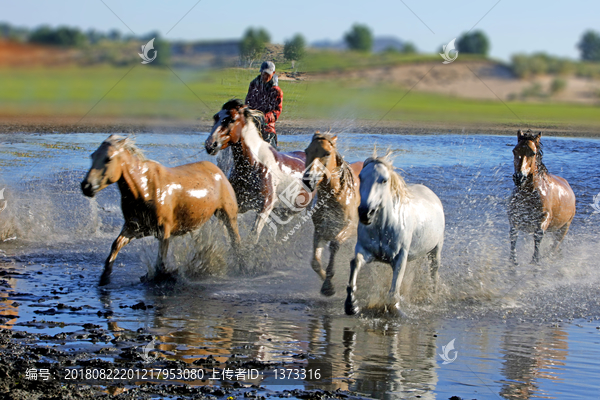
[
  {"x": 397, "y": 223},
  {"x": 335, "y": 215},
  {"x": 540, "y": 201},
  {"x": 157, "y": 200},
  {"x": 264, "y": 179}
]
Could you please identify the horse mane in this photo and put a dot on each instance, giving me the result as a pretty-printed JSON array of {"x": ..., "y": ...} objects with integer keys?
[
  {"x": 397, "y": 184},
  {"x": 255, "y": 116},
  {"x": 530, "y": 136},
  {"x": 126, "y": 143},
  {"x": 346, "y": 177}
]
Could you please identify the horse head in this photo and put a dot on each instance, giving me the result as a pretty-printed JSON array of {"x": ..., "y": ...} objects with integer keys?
[
  {"x": 228, "y": 126},
  {"x": 378, "y": 183},
  {"x": 106, "y": 165},
  {"x": 527, "y": 157},
  {"x": 322, "y": 158}
]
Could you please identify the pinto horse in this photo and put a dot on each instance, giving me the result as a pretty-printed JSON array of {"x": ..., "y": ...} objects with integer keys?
[
  {"x": 159, "y": 201},
  {"x": 540, "y": 201},
  {"x": 337, "y": 187},
  {"x": 397, "y": 223},
  {"x": 263, "y": 178}
]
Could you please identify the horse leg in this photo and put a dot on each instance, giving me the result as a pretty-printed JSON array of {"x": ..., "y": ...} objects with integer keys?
[
  {"x": 436, "y": 257},
  {"x": 356, "y": 264},
  {"x": 537, "y": 239},
  {"x": 399, "y": 266},
  {"x": 328, "y": 289},
  {"x": 559, "y": 237},
  {"x": 124, "y": 237},
  {"x": 262, "y": 216},
  {"x": 163, "y": 249},
  {"x": 229, "y": 218},
  {"x": 514, "y": 235},
  {"x": 318, "y": 246}
]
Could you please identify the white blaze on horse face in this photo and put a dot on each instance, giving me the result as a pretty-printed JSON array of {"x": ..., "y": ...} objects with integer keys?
[
  {"x": 198, "y": 193},
  {"x": 217, "y": 129}
]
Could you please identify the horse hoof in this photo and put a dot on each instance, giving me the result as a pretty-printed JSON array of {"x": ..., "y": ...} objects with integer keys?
[
  {"x": 351, "y": 308},
  {"x": 104, "y": 280},
  {"x": 327, "y": 289}
]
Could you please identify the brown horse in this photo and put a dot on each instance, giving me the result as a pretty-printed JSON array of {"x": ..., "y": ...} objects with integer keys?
[
  {"x": 159, "y": 201},
  {"x": 540, "y": 201},
  {"x": 338, "y": 197},
  {"x": 263, "y": 178}
]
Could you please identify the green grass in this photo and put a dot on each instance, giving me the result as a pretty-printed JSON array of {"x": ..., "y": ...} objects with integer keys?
[
  {"x": 147, "y": 92},
  {"x": 332, "y": 61}
]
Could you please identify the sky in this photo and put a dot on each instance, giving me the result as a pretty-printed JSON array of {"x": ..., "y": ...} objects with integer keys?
[{"x": 522, "y": 26}]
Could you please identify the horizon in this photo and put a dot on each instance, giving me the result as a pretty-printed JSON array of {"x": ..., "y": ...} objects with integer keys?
[{"x": 428, "y": 26}]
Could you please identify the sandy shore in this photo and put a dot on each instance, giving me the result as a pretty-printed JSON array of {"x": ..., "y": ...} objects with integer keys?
[{"x": 32, "y": 124}]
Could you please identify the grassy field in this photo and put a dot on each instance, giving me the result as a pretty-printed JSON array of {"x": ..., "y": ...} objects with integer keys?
[{"x": 148, "y": 92}]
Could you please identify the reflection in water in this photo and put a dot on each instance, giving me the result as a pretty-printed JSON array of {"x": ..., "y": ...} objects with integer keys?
[{"x": 530, "y": 355}]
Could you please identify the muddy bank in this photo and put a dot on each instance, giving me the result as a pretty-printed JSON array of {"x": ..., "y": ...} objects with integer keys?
[
  {"x": 31, "y": 371},
  {"x": 42, "y": 125}
]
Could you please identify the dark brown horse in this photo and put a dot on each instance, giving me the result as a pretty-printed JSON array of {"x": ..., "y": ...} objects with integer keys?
[
  {"x": 159, "y": 201},
  {"x": 540, "y": 201},
  {"x": 263, "y": 178},
  {"x": 335, "y": 217}
]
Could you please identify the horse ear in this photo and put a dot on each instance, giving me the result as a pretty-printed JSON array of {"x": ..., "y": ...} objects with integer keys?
[
  {"x": 520, "y": 134},
  {"x": 334, "y": 140}
]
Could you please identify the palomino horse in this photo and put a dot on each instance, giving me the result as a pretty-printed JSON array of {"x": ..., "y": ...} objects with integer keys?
[
  {"x": 337, "y": 186},
  {"x": 397, "y": 223},
  {"x": 540, "y": 201},
  {"x": 159, "y": 201},
  {"x": 263, "y": 178}
]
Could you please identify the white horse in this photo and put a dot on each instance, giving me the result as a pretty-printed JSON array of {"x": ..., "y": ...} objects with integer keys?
[{"x": 397, "y": 223}]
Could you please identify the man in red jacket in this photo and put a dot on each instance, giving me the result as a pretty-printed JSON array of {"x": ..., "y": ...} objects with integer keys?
[{"x": 265, "y": 95}]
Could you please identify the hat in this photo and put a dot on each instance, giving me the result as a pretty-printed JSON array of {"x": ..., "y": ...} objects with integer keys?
[{"x": 267, "y": 67}]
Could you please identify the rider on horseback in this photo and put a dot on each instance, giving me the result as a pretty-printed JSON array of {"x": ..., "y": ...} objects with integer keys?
[{"x": 265, "y": 95}]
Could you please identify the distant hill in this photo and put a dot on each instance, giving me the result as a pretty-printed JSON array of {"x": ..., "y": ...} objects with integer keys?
[{"x": 380, "y": 44}]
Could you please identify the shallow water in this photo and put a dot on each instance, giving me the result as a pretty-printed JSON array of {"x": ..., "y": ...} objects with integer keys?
[{"x": 529, "y": 335}]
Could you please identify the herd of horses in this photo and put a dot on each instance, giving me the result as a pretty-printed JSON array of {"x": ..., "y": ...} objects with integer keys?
[{"x": 394, "y": 222}]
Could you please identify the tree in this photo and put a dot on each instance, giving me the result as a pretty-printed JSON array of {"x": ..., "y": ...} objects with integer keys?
[
  {"x": 409, "y": 48},
  {"x": 590, "y": 46},
  {"x": 61, "y": 36},
  {"x": 294, "y": 49},
  {"x": 359, "y": 38},
  {"x": 473, "y": 43},
  {"x": 253, "y": 44}
]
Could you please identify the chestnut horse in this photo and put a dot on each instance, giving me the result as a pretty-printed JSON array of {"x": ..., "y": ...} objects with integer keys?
[
  {"x": 157, "y": 200},
  {"x": 263, "y": 178},
  {"x": 337, "y": 186},
  {"x": 540, "y": 201}
]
